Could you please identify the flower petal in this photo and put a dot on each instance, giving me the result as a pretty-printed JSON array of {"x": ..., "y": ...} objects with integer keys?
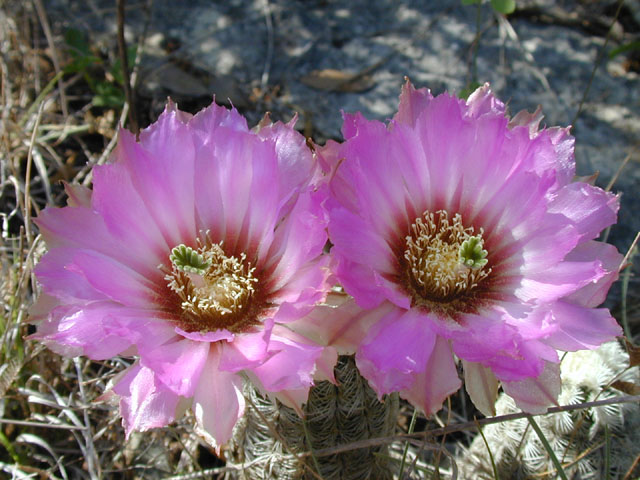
[
  {"x": 580, "y": 328},
  {"x": 591, "y": 209},
  {"x": 436, "y": 382},
  {"x": 292, "y": 363},
  {"x": 594, "y": 293},
  {"x": 395, "y": 350},
  {"x": 218, "y": 402},
  {"x": 177, "y": 364},
  {"x": 144, "y": 403},
  {"x": 482, "y": 386},
  {"x": 536, "y": 394}
]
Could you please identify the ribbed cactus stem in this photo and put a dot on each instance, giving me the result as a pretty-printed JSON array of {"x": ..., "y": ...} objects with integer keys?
[{"x": 334, "y": 415}]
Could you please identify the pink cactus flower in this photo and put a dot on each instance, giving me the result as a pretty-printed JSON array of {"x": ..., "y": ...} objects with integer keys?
[
  {"x": 459, "y": 231},
  {"x": 198, "y": 246}
]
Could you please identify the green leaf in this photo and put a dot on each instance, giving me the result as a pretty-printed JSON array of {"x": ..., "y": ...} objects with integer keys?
[
  {"x": 77, "y": 41},
  {"x": 471, "y": 2},
  {"x": 627, "y": 47},
  {"x": 188, "y": 260},
  {"x": 504, "y": 6},
  {"x": 108, "y": 95}
]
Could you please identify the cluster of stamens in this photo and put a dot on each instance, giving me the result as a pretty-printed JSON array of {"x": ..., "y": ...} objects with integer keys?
[
  {"x": 215, "y": 291},
  {"x": 443, "y": 260}
]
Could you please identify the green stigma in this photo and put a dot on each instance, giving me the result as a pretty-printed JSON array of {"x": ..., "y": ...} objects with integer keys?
[
  {"x": 471, "y": 253},
  {"x": 188, "y": 260}
]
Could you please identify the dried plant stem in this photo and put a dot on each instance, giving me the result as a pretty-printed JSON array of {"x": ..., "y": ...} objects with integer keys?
[
  {"x": 44, "y": 21},
  {"x": 122, "y": 51}
]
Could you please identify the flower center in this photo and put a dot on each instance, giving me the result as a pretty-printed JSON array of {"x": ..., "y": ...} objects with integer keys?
[
  {"x": 444, "y": 262},
  {"x": 215, "y": 291}
]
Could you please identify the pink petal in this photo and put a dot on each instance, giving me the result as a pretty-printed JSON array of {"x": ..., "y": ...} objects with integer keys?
[
  {"x": 299, "y": 239},
  {"x": 144, "y": 403},
  {"x": 368, "y": 288},
  {"x": 482, "y": 102},
  {"x": 293, "y": 398},
  {"x": 125, "y": 214},
  {"x": 412, "y": 103},
  {"x": 165, "y": 185},
  {"x": 296, "y": 165},
  {"x": 81, "y": 227},
  {"x": 178, "y": 364},
  {"x": 209, "y": 337},
  {"x": 438, "y": 380},
  {"x": 292, "y": 363},
  {"x": 67, "y": 285},
  {"x": 594, "y": 293},
  {"x": 342, "y": 324},
  {"x": 113, "y": 279},
  {"x": 395, "y": 350},
  {"x": 307, "y": 288},
  {"x": 591, "y": 209},
  {"x": 247, "y": 350},
  {"x": 559, "y": 281},
  {"x": 535, "y": 395},
  {"x": 214, "y": 116},
  {"x": 83, "y": 330},
  {"x": 246, "y": 173},
  {"x": 218, "y": 402},
  {"x": 581, "y": 328},
  {"x": 78, "y": 195}
]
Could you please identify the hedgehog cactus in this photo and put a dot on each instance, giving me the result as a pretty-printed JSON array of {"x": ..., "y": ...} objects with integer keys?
[{"x": 334, "y": 415}]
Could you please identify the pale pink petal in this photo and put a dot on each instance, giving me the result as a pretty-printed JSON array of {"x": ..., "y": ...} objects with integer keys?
[
  {"x": 293, "y": 398},
  {"x": 126, "y": 216},
  {"x": 65, "y": 284},
  {"x": 325, "y": 365},
  {"x": 536, "y": 394},
  {"x": 295, "y": 161},
  {"x": 341, "y": 323},
  {"x": 83, "y": 330},
  {"x": 214, "y": 116},
  {"x": 247, "y": 350},
  {"x": 412, "y": 103},
  {"x": 482, "y": 102},
  {"x": 112, "y": 279},
  {"x": 590, "y": 208},
  {"x": 177, "y": 364},
  {"x": 165, "y": 185},
  {"x": 438, "y": 380},
  {"x": 305, "y": 290},
  {"x": 482, "y": 387},
  {"x": 292, "y": 363},
  {"x": 298, "y": 240},
  {"x": 84, "y": 228},
  {"x": 218, "y": 402},
  {"x": 580, "y": 328},
  {"x": 367, "y": 287},
  {"x": 78, "y": 195},
  {"x": 559, "y": 281},
  {"x": 594, "y": 293},
  {"x": 144, "y": 403},
  {"x": 395, "y": 351},
  {"x": 208, "y": 337}
]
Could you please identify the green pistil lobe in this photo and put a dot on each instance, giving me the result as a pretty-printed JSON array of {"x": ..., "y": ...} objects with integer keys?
[
  {"x": 471, "y": 253},
  {"x": 188, "y": 260}
]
